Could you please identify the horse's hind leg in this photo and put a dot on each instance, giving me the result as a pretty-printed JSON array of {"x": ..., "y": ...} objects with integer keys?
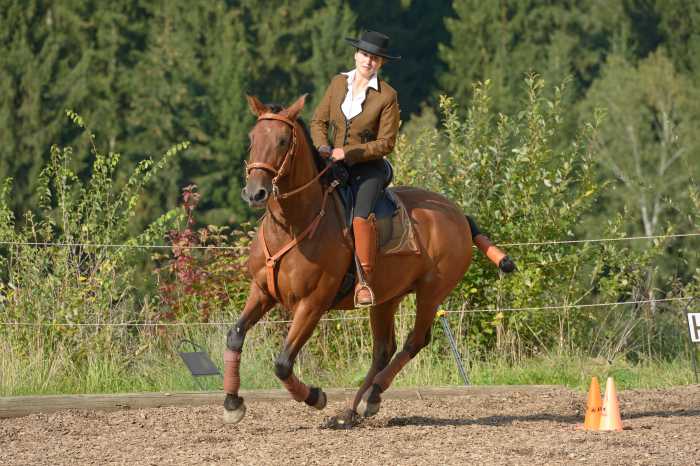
[
  {"x": 381, "y": 319},
  {"x": 427, "y": 302},
  {"x": 383, "y": 345}
]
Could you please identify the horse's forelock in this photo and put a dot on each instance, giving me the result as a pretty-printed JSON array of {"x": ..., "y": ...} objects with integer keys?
[{"x": 274, "y": 107}]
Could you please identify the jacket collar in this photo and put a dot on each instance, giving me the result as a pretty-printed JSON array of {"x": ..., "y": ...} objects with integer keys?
[{"x": 373, "y": 81}]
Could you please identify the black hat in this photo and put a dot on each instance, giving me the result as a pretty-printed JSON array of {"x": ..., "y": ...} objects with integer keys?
[{"x": 375, "y": 43}]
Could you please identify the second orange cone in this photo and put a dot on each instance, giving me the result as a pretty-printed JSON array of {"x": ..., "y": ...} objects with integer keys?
[{"x": 610, "y": 419}]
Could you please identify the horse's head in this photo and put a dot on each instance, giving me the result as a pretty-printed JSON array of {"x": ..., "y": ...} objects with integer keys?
[{"x": 272, "y": 145}]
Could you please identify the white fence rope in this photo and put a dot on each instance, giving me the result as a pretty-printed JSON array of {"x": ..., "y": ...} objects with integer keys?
[
  {"x": 162, "y": 246},
  {"x": 598, "y": 240},
  {"x": 333, "y": 319}
]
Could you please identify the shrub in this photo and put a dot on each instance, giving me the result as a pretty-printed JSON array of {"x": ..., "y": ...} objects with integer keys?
[
  {"x": 205, "y": 271},
  {"x": 73, "y": 261},
  {"x": 523, "y": 184}
]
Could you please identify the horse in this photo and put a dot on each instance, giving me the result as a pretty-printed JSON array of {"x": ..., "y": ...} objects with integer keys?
[{"x": 300, "y": 255}]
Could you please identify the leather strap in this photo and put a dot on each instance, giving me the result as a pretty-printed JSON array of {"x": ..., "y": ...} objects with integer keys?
[
  {"x": 271, "y": 261},
  {"x": 261, "y": 165},
  {"x": 279, "y": 173},
  {"x": 276, "y": 116},
  {"x": 301, "y": 188}
]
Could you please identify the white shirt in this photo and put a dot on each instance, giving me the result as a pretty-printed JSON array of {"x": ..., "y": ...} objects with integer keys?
[{"x": 352, "y": 105}]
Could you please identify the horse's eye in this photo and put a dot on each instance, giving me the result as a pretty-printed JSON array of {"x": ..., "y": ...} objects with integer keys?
[{"x": 283, "y": 142}]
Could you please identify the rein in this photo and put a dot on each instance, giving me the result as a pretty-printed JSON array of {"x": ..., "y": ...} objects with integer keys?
[
  {"x": 279, "y": 173},
  {"x": 271, "y": 260}
]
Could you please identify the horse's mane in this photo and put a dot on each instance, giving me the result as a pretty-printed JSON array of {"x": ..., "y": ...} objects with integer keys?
[{"x": 277, "y": 108}]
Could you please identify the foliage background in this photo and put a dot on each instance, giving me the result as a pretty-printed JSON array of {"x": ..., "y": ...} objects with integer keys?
[{"x": 544, "y": 120}]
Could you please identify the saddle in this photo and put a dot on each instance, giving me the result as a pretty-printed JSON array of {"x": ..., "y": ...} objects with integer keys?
[{"x": 394, "y": 227}]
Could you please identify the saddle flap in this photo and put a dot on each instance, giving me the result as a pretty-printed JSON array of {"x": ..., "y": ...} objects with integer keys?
[{"x": 396, "y": 233}]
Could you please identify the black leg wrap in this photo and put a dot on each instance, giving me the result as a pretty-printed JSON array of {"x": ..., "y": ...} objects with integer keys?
[
  {"x": 506, "y": 265},
  {"x": 375, "y": 394},
  {"x": 235, "y": 337},
  {"x": 283, "y": 367},
  {"x": 314, "y": 394},
  {"x": 232, "y": 403}
]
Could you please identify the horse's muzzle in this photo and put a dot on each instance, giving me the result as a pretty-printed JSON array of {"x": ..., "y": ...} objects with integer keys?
[{"x": 256, "y": 198}]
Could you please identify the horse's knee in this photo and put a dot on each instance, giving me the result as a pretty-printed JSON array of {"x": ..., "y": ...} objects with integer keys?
[
  {"x": 382, "y": 355},
  {"x": 235, "y": 337},
  {"x": 428, "y": 337},
  {"x": 414, "y": 344},
  {"x": 283, "y": 366}
]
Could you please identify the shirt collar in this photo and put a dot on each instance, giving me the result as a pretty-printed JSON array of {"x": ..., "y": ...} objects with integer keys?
[{"x": 373, "y": 81}]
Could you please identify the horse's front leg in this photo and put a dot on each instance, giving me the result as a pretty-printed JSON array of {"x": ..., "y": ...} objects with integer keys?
[
  {"x": 303, "y": 324},
  {"x": 256, "y": 306}
]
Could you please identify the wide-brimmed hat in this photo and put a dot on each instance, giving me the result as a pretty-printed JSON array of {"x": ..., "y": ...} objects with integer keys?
[{"x": 375, "y": 43}]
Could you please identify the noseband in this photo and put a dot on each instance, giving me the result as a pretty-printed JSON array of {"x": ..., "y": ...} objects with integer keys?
[{"x": 278, "y": 173}]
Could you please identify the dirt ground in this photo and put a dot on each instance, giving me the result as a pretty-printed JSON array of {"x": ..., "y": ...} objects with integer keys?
[{"x": 506, "y": 426}]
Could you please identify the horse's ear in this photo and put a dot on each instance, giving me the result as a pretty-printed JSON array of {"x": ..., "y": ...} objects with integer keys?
[
  {"x": 257, "y": 107},
  {"x": 293, "y": 110}
]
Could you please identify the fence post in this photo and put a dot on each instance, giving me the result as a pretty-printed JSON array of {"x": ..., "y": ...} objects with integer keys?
[{"x": 453, "y": 344}]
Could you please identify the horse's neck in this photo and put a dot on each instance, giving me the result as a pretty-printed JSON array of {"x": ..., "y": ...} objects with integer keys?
[{"x": 291, "y": 216}]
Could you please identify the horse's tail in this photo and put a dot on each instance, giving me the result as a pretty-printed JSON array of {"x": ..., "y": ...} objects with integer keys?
[{"x": 495, "y": 254}]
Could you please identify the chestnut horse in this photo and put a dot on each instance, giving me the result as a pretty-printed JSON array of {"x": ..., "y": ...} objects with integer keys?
[{"x": 300, "y": 256}]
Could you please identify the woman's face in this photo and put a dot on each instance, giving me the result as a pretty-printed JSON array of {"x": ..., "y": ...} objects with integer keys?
[{"x": 367, "y": 64}]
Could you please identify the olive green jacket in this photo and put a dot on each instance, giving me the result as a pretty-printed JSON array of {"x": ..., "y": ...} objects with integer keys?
[{"x": 369, "y": 135}]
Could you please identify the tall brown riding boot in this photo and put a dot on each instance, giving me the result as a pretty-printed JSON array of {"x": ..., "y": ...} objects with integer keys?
[{"x": 365, "y": 231}]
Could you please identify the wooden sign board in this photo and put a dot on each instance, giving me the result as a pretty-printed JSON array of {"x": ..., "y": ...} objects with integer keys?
[{"x": 694, "y": 326}]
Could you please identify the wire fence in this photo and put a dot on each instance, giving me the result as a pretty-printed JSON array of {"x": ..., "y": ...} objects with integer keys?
[
  {"x": 163, "y": 246},
  {"x": 337, "y": 319},
  {"x": 346, "y": 318}
]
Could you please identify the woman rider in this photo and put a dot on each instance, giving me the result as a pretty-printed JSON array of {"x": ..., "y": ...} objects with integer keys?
[{"x": 356, "y": 123}]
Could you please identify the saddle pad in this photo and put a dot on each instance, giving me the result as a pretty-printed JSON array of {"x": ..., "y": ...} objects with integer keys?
[{"x": 396, "y": 233}]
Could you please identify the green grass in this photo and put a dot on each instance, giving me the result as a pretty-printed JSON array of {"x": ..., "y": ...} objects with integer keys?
[{"x": 159, "y": 368}]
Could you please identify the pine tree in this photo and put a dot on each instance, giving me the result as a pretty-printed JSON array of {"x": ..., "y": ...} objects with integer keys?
[
  {"x": 648, "y": 140},
  {"x": 680, "y": 29},
  {"x": 330, "y": 52},
  {"x": 415, "y": 27},
  {"x": 57, "y": 56},
  {"x": 226, "y": 119},
  {"x": 503, "y": 41}
]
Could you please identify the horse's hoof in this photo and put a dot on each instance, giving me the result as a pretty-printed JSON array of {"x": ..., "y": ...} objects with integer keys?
[
  {"x": 317, "y": 398},
  {"x": 234, "y": 409},
  {"x": 322, "y": 400},
  {"x": 370, "y": 402},
  {"x": 235, "y": 416},
  {"x": 345, "y": 420}
]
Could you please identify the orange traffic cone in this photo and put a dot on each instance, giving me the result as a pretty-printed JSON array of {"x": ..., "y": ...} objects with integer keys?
[
  {"x": 594, "y": 406},
  {"x": 610, "y": 420}
]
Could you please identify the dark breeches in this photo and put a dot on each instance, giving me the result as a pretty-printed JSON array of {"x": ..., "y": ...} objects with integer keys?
[{"x": 367, "y": 180}]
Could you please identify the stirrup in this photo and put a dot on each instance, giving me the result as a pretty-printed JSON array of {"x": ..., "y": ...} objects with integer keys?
[{"x": 364, "y": 286}]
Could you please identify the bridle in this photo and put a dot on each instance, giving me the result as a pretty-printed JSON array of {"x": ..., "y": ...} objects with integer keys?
[
  {"x": 280, "y": 172},
  {"x": 271, "y": 260}
]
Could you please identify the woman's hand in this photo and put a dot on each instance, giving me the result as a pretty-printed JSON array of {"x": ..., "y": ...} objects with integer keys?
[{"x": 338, "y": 154}]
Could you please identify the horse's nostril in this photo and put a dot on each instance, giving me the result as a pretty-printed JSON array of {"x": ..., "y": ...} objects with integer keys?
[{"x": 260, "y": 195}]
